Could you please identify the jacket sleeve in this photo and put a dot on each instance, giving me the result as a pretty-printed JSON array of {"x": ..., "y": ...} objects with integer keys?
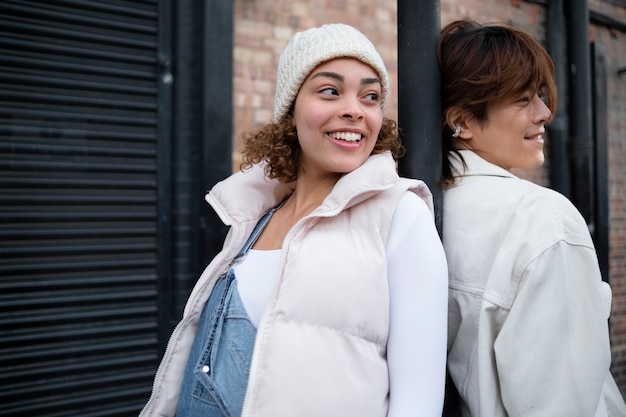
[{"x": 553, "y": 353}]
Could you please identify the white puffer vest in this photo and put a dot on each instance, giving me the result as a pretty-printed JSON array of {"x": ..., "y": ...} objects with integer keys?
[{"x": 320, "y": 348}]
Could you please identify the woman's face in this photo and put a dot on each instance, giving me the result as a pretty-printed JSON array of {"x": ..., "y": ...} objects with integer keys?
[
  {"x": 512, "y": 135},
  {"x": 338, "y": 116}
]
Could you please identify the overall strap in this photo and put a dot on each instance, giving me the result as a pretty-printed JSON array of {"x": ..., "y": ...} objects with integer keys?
[{"x": 256, "y": 232}]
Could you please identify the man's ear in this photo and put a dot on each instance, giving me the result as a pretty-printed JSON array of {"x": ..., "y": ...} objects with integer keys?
[{"x": 455, "y": 117}]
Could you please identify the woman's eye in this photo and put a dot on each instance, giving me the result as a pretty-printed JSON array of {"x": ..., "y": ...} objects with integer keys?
[
  {"x": 330, "y": 91},
  {"x": 543, "y": 97},
  {"x": 372, "y": 96}
]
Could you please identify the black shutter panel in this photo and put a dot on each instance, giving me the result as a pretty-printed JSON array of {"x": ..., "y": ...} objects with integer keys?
[{"x": 79, "y": 209}]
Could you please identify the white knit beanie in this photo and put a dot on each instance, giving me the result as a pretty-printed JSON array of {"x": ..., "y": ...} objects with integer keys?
[{"x": 308, "y": 49}]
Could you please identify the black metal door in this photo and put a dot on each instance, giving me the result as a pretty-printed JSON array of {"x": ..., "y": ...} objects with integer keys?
[{"x": 84, "y": 96}]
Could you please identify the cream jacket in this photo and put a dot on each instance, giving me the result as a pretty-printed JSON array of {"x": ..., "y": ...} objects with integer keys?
[
  {"x": 528, "y": 332},
  {"x": 319, "y": 338}
]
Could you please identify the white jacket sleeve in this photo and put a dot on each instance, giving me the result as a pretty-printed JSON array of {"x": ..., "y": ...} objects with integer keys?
[
  {"x": 418, "y": 287},
  {"x": 556, "y": 335}
]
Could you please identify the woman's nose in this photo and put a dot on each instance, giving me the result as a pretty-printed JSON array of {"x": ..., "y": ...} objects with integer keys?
[{"x": 352, "y": 108}]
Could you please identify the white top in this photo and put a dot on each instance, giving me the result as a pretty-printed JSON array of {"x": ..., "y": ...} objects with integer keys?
[{"x": 418, "y": 290}]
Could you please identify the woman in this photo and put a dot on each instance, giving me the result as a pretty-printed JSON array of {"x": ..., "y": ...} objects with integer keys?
[
  {"x": 528, "y": 310},
  {"x": 329, "y": 297}
]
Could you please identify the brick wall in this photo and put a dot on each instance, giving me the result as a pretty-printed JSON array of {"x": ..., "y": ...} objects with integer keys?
[
  {"x": 614, "y": 43},
  {"x": 263, "y": 27}
]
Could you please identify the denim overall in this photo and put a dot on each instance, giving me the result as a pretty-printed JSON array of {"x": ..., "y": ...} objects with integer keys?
[{"x": 216, "y": 375}]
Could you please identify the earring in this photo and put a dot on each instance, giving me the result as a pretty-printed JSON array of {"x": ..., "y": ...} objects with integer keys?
[{"x": 457, "y": 131}]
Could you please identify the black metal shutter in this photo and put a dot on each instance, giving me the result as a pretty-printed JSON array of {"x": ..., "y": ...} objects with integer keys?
[{"x": 81, "y": 158}]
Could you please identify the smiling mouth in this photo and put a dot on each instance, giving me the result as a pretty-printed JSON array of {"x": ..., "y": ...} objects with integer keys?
[{"x": 346, "y": 136}]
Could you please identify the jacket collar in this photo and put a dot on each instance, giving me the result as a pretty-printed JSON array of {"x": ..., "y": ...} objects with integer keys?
[
  {"x": 475, "y": 166},
  {"x": 246, "y": 195}
]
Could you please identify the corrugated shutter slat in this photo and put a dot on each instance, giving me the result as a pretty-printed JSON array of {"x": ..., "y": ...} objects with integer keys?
[{"x": 78, "y": 206}]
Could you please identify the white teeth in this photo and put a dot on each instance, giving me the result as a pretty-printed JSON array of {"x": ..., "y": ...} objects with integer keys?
[{"x": 347, "y": 136}]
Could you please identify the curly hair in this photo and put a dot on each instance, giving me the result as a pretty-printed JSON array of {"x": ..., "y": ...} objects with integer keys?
[{"x": 277, "y": 144}]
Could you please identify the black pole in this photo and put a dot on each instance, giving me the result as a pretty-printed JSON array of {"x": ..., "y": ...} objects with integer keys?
[
  {"x": 217, "y": 116},
  {"x": 558, "y": 131},
  {"x": 581, "y": 144},
  {"x": 419, "y": 101},
  {"x": 601, "y": 150},
  {"x": 419, "y": 113},
  {"x": 201, "y": 148},
  {"x": 185, "y": 148}
]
